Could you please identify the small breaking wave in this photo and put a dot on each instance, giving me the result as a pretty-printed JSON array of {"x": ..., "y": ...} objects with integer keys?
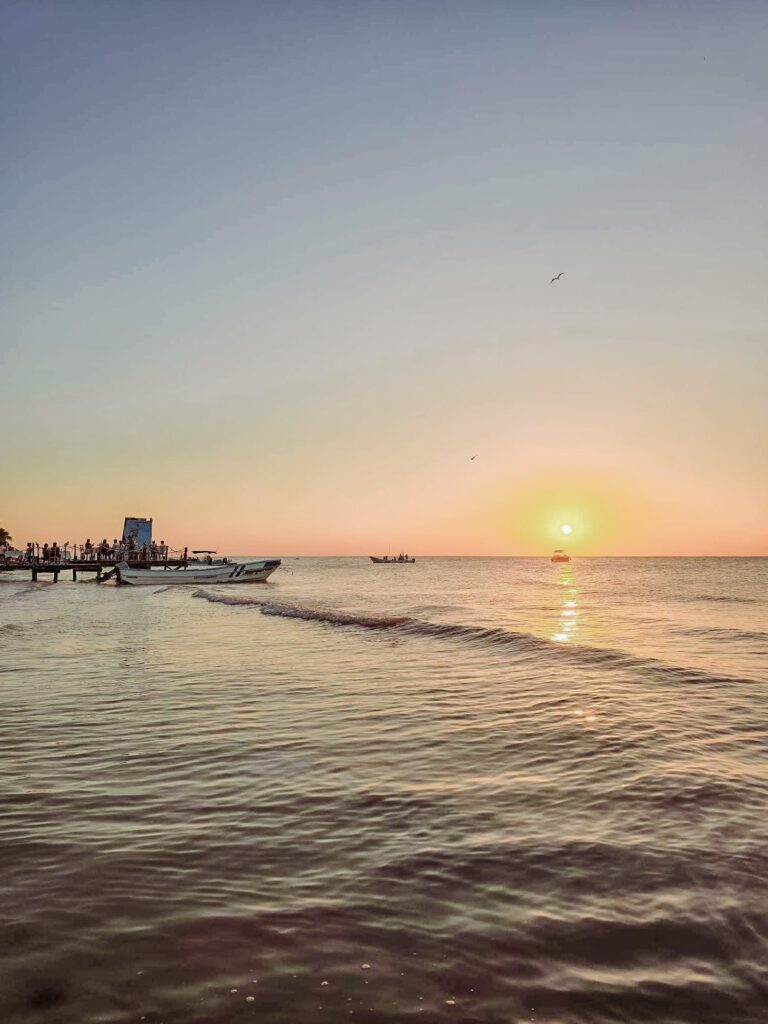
[
  {"x": 523, "y": 643},
  {"x": 294, "y": 611}
]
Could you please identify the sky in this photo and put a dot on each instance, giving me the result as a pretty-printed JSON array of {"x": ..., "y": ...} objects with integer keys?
[{"x": 272, "y": 273}]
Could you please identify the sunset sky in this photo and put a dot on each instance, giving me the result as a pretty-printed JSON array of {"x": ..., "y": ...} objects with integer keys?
[{"x": 273, "y": 273}]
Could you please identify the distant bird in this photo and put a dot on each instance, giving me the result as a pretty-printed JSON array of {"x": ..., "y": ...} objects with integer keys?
[
  {"x": 472, "y": 458},
  {"x": 558, "y": 277}
]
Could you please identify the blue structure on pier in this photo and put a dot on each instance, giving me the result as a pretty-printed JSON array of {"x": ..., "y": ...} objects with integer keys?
[{"x": 139, "y": 529}]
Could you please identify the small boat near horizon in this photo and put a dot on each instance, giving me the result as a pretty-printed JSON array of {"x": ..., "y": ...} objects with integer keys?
[
  {"x": 392, "y": 560},
  {"x": 225, "y": 572},
  {"x": 560, "y": 556}
]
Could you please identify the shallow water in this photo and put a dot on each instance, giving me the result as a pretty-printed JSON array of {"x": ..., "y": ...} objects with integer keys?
[{"x": 488, "y": 790}]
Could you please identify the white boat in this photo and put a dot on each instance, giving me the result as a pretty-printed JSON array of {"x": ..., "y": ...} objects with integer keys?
[{"x": 228, "y": 572}]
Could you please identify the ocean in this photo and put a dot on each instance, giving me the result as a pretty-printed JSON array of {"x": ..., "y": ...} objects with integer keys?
[{"x": 466, "y": 790}]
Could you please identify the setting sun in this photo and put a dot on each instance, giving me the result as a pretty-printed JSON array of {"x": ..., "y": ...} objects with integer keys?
[{"x": 566, "y": 528}]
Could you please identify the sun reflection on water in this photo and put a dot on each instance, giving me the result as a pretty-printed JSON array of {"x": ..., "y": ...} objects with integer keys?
[{"x": 567, "y": 626}]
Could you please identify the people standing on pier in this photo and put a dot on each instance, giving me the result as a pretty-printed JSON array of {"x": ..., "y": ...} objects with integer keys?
[
  {"x": 55, "y": 551},
  {"x": 88, "y": 548},
  {"x": 46, "y": 552},
  {"x": 104, "y": 548}
]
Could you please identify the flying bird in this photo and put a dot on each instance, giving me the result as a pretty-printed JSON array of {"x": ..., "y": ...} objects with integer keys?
[
  {"x": 558, "y": 277},
  {"x": 472, "y": 458}
]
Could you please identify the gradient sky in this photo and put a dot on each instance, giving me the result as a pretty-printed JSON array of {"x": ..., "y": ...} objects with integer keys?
[{"x": 273, "y": 272}]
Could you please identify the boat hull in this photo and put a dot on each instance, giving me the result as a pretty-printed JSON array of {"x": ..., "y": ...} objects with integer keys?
[{"x": 236, "y": 572}]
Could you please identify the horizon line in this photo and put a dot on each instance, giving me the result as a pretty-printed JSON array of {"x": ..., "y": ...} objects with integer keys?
[{"x": 532, "y": 557}]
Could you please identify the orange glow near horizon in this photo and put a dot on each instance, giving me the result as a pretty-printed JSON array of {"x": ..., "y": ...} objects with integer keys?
[
  {"x": 592, "y": 513},
  {"x": 508, "y": 511}
]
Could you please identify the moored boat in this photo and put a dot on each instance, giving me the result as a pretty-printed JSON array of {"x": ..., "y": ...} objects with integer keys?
[
  {"x": 386, "y": 560},
  {"x": 229, "y": 572},
  {"x": 560, "y": 556}
]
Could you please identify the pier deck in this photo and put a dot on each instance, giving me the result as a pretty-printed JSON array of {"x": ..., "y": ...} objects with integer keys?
[{"x": 99, "y": 566}]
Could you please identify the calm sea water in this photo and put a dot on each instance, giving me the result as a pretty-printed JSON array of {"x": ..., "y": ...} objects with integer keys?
[{"x": 468, "y": 790}]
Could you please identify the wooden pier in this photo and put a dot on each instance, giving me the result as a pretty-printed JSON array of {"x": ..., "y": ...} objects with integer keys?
[
  {"x": 103, "y": 568},
  {"x": 137, "y": 549}
]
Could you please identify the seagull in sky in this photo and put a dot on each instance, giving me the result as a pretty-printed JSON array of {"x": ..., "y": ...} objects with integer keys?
[
  {"x": 558, "y": 277},
  {"x": 472, "y": 458}
]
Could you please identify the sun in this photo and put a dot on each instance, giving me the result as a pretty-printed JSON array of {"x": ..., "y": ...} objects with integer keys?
[{"x": 566, "y": 528}]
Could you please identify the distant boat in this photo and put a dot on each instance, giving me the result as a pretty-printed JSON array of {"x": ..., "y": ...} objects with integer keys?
[
  {"x": 560, "y": 556},
  {"x": 229, "y": 572},
  {"x": 386, "y": 560}
]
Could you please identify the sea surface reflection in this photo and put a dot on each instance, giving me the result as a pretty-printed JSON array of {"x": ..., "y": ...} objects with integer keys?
[{"x": 475, "y": 790}]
